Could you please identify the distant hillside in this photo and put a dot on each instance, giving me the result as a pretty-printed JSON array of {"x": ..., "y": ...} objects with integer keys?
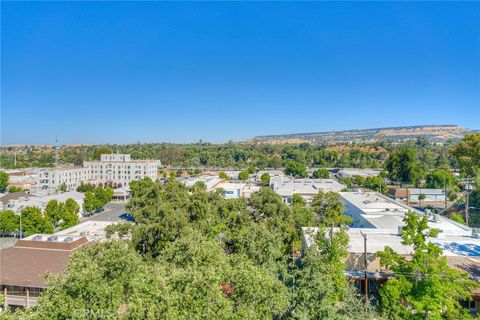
[{"x": 433, "y": 132}]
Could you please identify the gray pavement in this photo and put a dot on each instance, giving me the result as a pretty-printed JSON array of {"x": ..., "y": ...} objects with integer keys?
[{"x": 113, "y": 211}]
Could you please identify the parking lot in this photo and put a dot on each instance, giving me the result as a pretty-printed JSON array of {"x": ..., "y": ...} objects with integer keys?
[{"x": 113, "y": 211}]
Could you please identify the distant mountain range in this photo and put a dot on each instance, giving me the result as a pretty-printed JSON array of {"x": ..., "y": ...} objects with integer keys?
[{"x": 432, "y": 132}]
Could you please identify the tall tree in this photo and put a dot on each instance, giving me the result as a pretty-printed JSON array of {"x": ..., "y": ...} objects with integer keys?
[
  {"x": 467, "y": 153},
  {"x": 3, "y": 180},
  {"x": 296, "y": 169},
  {"x": 9, "y": 221},
  {"x": 33, "y": 221},
  {"x": 329, "y": 209},
  {"x": 403, "y": 166},
  {"x": 265, "y": 178}
]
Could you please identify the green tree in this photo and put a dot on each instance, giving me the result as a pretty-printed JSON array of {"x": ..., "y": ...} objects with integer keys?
[
  {"x": 243, "y": 176},
  {"x": 260, "y": 244},
  {"x": 298, "y": 200},
  {"x": 296, "y": 169},
  {"x": 13, "y": 189},
  {"x": 9, "y": 221},
  {"x": 101, "y": 150},
  {"x": 438, "y": 179},
  {"x": 321, "y": 290},
  {"x": 421, "y": 197},
  {"x": 457, "y": 216},
  {"x": 3, "y": 181},
  {"x": 424, "y": 286},
  {"x": 85, "y": 187},
  {"x": 329, "y": 209},
  {"x": 139, "y": 187},
  {"x": 267, "y": 204},
  {"x": 265, "y": 178},
  {"x": 403, "y": 166},
  {"x": 103, "y": 195},
  {"x": 63, "y": 187},
  {"x": 97, "y": 282},
  {"x": 90, "y": 202},
  {"x": 33, "y": 221},
  {"x": 70, "y": 212},
  {"x": 467, "y": 153},
  {"x": 223, "y": 175},
  {"x": 54, "y": 211},
  {"x": 321, "y": 173},
  {"x": 375, "y": 184}
]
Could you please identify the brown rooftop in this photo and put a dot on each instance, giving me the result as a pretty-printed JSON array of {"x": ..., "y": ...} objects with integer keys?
[
  {"x": 14, "y": 196},
  {"x": 398, "y": 192},
  {"x": 28, "y": 261}
]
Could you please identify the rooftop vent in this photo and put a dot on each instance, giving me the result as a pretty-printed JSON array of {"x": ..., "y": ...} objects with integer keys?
[
  {"x": 52, "y": 238},
  {"x": 476, "y": 233}
]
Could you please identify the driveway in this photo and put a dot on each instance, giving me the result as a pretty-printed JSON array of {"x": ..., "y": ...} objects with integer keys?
[{"x": 113, "y": 211}]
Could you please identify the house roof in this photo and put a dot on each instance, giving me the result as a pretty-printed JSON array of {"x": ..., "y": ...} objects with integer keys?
[
  {"x": 14, "y": 196},
  {"x": 398, "y": 192},
  {"x": 28, "y": 261}
]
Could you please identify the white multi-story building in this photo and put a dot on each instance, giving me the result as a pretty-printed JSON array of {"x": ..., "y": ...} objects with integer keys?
[{"x": 116, "y": 170}]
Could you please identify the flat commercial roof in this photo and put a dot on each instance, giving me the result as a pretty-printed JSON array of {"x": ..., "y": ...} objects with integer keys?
[
  {"x": 451, "y": 244},
  {"x": 288, "y": 186},
  {"x": 385, "y": 213}
]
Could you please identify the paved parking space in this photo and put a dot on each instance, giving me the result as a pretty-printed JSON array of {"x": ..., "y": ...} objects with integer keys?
[{"x": 113, "y": 211}]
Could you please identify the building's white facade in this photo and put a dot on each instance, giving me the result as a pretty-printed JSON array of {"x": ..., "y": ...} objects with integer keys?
[{"x": 116, "y": 170}]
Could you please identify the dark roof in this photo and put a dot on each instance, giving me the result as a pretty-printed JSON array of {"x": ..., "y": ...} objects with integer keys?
[
  {"x": 398, "y": 192},
  {"x": 26, "y": 264},
  {"x": 14, "y": 196}
]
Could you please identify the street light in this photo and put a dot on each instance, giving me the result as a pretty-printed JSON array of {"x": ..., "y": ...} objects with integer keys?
[{"x": 20, "y": 224}]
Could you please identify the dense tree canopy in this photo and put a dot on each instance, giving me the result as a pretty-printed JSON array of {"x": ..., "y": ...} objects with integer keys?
[
  {"x": 467, "y": 153},
  {"x": 9, "y": 222},
  {"x": 404, "y": 166},
  {"x": 321, "y": 173},
  {"x": 33, "y": 221},
  {"x": 3, "y": 180},
  {"x": 296, "y": 169}
]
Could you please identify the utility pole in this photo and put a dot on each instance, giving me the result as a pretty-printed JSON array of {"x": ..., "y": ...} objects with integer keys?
[
  {"x": 445, "y": 186},
  {"x": 20, "y": 224},
  {"x": 365, "y": 263},
  {"x": 408, "y": 196},
  {"x": 467, "y": 213}
]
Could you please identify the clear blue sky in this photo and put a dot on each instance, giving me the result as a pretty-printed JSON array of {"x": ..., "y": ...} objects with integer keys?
[{"x": 121, "y": 72}]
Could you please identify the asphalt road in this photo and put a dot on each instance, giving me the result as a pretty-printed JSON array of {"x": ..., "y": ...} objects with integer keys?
[{"x": 113, "y": 211}]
